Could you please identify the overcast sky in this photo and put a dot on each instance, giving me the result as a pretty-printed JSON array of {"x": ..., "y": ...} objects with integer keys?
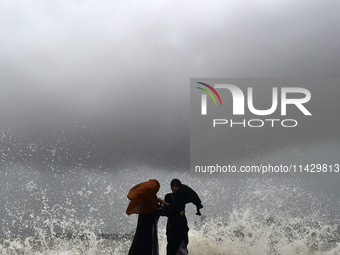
[{"x": 124, "y": 67}]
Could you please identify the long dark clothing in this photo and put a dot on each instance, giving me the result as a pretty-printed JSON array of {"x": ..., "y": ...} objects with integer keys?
[
  {"x": 177, "y": 225},
  {"x": 188, "y": 195},
  {"x": 145, "y": 241}
]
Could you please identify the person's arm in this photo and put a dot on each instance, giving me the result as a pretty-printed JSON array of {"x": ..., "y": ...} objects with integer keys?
[
  {"x": 167, "y": 200},
  {"x": 163, "y": 202}
]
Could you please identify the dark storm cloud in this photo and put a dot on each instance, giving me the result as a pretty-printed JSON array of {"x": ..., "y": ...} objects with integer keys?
[{"x": 124, "y": 67}]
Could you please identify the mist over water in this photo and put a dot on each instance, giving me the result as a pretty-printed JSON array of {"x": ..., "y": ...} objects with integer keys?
[
  {"x": 240, "y": 216},
  {"x": 57, "y": 198}
]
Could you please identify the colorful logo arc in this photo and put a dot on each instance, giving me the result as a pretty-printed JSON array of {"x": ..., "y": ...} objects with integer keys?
[{"x": 208, "y": 92}]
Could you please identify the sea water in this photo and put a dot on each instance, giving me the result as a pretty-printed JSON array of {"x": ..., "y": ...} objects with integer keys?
[{"x": 82, "y": 211}]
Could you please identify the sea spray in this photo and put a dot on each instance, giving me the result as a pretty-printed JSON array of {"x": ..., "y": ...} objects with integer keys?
[
  {"x": 245, "y": 233},
  {"x": 83, "y": 211}
]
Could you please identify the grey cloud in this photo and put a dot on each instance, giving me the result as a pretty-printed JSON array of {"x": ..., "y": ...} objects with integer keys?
[{"x": 125, "y": 66}]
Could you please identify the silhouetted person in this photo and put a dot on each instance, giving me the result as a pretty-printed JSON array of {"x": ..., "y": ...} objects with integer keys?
[
  {"x": 177, "y": 225},
  {"x": 144, "y": 202}
]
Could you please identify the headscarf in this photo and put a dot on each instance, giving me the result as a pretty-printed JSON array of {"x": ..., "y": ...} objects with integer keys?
[
  {"x": 175, "y": 182},
  {"x": 143, "y": 197}
]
